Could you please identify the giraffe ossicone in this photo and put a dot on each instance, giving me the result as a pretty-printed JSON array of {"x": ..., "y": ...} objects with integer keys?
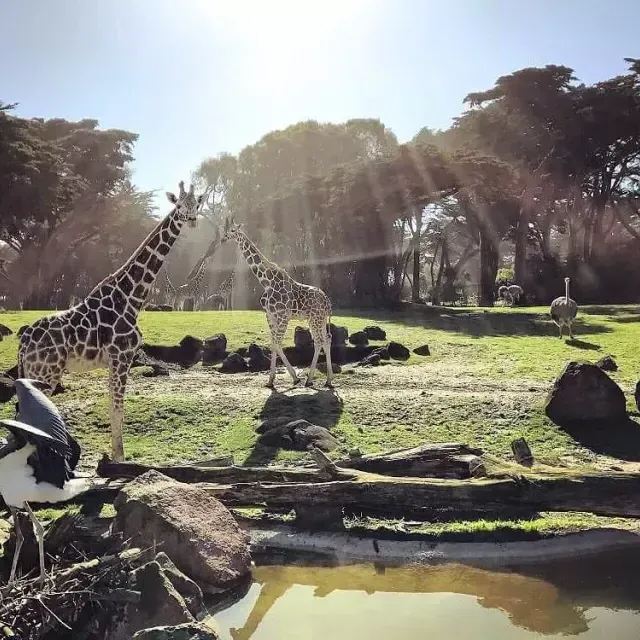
[
  {"x": 102, "y": 331},
  {"x": 284, "y": 299}
]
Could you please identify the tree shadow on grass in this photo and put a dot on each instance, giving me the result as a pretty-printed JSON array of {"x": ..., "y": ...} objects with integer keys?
[
  {"x": 321, "y": 407},
  {"x": 481, "y": 323},
  {"x": 619, "y": 439}
]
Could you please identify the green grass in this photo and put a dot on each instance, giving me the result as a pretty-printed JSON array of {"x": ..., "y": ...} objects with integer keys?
[{"x": 484, "y": 384}]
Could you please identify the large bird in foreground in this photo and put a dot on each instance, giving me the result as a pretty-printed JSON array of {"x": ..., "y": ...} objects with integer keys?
[
  {"x": 564, "y": 310},
  {"x": 38, "y": 461}
]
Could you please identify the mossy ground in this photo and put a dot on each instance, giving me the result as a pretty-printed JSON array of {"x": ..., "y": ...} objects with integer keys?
[{"x": 484, "y": 384}]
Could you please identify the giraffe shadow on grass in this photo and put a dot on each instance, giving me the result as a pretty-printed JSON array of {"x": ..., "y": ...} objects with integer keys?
[{"x": 320, "y": 407}]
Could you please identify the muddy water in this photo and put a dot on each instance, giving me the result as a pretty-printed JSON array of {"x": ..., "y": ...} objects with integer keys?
[{"x": 590, "y": 598}]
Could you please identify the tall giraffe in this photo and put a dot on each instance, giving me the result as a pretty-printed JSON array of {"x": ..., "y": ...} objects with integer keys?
[
  {"x": 102, "y": 330},
  {"x": 283, "y": 299},
  {"x": 223, "y": 295},
  {"x": 192, "y": 287},
  {"x": 169, "y": 290}
]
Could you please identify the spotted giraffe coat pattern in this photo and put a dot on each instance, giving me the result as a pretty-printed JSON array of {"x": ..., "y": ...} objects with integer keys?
[
  {"x": 102, "y": 331},
  {"x": 284, "y": 299}
]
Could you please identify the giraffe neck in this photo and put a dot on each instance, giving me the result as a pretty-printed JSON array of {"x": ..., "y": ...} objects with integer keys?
[
  {"x": 257, "y": 262},
  {"x": 136, "y": 276}
]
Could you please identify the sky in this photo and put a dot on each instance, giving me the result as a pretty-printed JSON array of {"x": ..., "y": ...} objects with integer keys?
[{"x": 195, "y": 78}]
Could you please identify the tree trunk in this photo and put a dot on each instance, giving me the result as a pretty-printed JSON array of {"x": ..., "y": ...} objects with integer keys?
[
  {"x": 522, "y": 234},
  {"x": 489, "y": 257},
  {"x": 415, "y": 286}
]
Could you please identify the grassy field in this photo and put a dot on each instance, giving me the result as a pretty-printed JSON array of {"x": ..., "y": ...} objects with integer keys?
[{"x": 484, "y": 384}]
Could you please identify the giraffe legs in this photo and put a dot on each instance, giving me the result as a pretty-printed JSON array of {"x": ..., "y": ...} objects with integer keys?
[
  {"x": 321, "y": 342},
  {"x": 39, "y": 533},
  {"x": 19, "y": 541},
  {"x": 278, "y": 328},
  {"x": 118, "y": 373}
]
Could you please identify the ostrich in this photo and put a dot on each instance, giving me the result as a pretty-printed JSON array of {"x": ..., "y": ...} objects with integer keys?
[
  {"x": 511, "y": 293},
  {"x": 37, "y": 464},
  {"x": 564, "y": 310}
]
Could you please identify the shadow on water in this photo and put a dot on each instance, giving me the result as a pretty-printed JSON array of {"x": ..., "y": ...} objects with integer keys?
[
  {"x": 559, "y": 598},
  {"x": 619, "y": 439},
  {"x": 321, "y": 407},
  {"x": 481, "y": 323}
]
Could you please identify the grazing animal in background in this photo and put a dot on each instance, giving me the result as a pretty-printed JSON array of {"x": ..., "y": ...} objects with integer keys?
[
  {"x": 38, "y": 462},
  {"x": 283, "y": 299},
  {"x": 510, "y": 294},
  {"x": 564, "y": 310},
  {"x": 223, "y": 297},
  {"x": 102, "y": 330},
  {"x": 192, "y": 288}
]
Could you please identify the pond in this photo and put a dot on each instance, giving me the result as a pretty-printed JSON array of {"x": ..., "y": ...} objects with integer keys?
[{"x": 592, "y": 597}]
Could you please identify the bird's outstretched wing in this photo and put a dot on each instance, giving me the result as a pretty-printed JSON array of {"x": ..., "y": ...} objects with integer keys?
[
  {"x": 35, "y": 408},
  {"x": 23, "y": 431}
]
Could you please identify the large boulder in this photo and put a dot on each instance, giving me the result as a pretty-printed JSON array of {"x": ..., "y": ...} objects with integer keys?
[
  {"x": 215, "y": 348},
  {"x": 187, "y": 631},
  {"x": 297, "y": 435},
  {"x": 259, "y": 358},
  {"x": 398, "y": 351},
  {"x": 186, "y": 354},
  {"x": 339, "y": 335},
  {"x": 194, "y": 529},
  {"x": 302, "y": 338},
  {"x": 374, "y": 332},
  {"x": 422, "y": 350},
  {"x": 160, "y": 604},
  {"x": 584, "y": 393},
  {"x": 359, "y": 339},
  {"x": 4, "y": 330},
  {"x": 234, "y": 363},
  {"x": 607, "y": 364}
]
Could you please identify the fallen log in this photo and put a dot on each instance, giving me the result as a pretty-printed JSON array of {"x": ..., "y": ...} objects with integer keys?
[
  {"x": 447, "y": 460},
  {"x": 226, "y": 475},
  {"x": 608, "y": 495}
]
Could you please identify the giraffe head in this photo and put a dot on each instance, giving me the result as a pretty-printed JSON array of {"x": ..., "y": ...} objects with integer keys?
[
  {"x": 232, "y": 230},
  {"x": 187, "y": 205}
]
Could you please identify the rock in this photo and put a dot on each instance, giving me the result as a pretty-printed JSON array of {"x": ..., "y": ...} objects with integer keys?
[
  {"x": 355, "y": 453},
  {"x": 272, "y": 423},
  {"x": 186, "y": 354},
  {"x": 359, "y": 339},
  {"x": 584, "y": 393},
  {"x": 160, "y": 604},
  {"x": 335, "y": 367},
  {"x": 398, "y": 351},
  {"x": 302, "y": 338},
  {"x": 339, "y": 335},
  {"x": 383, "y": 352},
  {"x": 194, "y": 529},
  {"x": 151, "y": 307},
  {"x": 188, "y": 631},
  {"x": 375, "y": 333},
  {"x": 184, "y": 585},
  {"x": 372, "y": 360},
  {"x": 607, "y": 364},
  {"x": 215, "y": 348},
  {"x": 234, "y": 363},
  {"x": 7, "y": 391},
  {"x": 4, "y": 330},
  {"x": 259, "y": 358},
  {"x": 422, "y": 350},
  {"x": 165, "y": 307},
  {"x": 298, "y": 435}
]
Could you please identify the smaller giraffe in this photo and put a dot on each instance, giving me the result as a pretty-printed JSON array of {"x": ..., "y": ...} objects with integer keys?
[
  {"x": 192, "y": 288},
  {"x": 283, "y": 299},
  {"x": 223, "y": 297}
]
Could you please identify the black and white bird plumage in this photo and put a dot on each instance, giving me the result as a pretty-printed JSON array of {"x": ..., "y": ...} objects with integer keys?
[{"x": 37, "y": 464}]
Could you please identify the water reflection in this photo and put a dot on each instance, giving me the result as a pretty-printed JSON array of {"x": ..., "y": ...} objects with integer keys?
[{"x": 590, "y": 598}]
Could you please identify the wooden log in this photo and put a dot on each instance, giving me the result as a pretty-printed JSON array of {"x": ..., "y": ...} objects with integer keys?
[
  {"x": 447, "y": 460},
  {"x": 225, "y": 475},
  {"x": 602, "y": 494}
]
